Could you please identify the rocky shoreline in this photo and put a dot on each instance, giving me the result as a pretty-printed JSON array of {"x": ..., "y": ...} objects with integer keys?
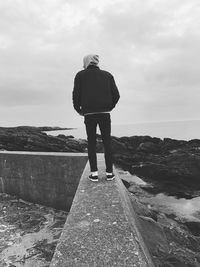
[
  {"x": 167, "y": 166},
  {"x": 173, "y": 240},
  {"x": 28, "y": 232},
  {"x": 172, "y": 166},
  {"x": 28, "y": 138}
]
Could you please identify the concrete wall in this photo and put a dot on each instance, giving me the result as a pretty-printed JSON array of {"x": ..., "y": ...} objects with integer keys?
[
  {"x": 45, "y": 178},
  {"x": 101, "y": 228}
]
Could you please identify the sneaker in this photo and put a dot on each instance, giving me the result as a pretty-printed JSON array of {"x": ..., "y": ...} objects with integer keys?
[
  {"x": 93, "y": 178},
  {"x": 110, "y": 177}
]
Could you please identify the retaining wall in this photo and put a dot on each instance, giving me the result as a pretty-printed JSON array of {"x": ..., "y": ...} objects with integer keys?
[{"x": 49, "y": 179}]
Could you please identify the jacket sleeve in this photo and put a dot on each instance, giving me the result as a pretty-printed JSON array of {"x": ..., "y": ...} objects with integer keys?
[
  {"x": 115, "y": 92},
  {"x": 76, "y": 94}
]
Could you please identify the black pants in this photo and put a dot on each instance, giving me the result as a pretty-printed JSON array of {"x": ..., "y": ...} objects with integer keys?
[{"x": 104, "y": 122}]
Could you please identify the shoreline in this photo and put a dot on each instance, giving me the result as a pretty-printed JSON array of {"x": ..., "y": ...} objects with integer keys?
[
  {"x": 179, "y": 130},
  {"x": 170, "y": 166}
]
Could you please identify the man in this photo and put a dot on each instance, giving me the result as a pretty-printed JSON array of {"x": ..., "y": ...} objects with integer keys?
[{"x": 95, "y": 94}]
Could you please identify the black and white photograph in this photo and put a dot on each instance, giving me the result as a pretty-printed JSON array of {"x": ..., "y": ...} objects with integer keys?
[{"x": 99, "y": 133}]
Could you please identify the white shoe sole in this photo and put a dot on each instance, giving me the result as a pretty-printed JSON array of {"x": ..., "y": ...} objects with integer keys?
[
  {"x": 110, "y": 179},
  {"x": 93, "y": 180}
]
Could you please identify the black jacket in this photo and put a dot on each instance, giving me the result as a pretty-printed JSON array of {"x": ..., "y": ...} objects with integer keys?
[{"x": 94, "y": 91}]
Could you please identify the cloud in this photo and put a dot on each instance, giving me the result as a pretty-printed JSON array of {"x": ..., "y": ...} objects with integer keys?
[{"x": 151, "y": 47}]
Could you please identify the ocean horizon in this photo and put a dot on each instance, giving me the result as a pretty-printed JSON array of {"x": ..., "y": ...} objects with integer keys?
[{"x": 180, "y": 130}]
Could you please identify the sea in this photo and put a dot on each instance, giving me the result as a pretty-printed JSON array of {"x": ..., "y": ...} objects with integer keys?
[{"x": 180, "y": 130}]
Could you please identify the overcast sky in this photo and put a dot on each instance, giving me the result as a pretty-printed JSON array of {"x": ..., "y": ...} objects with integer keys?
[{"x": 150, "y": 46}]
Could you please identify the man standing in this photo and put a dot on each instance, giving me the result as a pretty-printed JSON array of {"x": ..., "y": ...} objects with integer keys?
[{"x": 95, "y": 94}]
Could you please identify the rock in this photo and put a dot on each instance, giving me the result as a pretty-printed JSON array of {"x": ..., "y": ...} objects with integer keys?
[
  {"x": 169, "y": 144},
  {"x": 155, "y": 170},
  {"x": 173, "y": 166},
  {"x": 142, "y": 209},
  {"x": 194, "y": 142},
  {"x": 31, "y": 236},
  {"x": 33, "y": 139},
  {"x": 127, "y": 184},
  {"x": 66, "y": 137},
  {"x": 177, "y": 261},
  {"x": 149, "y": 147},
  {"x": 182, "y": 238},
  {"x": 154, "y": 236},
  {"x": 194, "y": 227},
  {"x": 118, "y": 146},
  {"x": 134, "y": 141}
]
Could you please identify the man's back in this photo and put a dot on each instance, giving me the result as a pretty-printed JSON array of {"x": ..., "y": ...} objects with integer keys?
[{"x": 96, "y": 90}]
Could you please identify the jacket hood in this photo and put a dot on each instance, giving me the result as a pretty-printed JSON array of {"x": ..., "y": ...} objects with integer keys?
[{"x": 91, "y": 59}]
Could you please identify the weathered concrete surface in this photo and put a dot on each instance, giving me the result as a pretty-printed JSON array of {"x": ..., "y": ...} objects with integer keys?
[
  {"x": 101, "y": 228},
  {"x": 45, "y": 178}
]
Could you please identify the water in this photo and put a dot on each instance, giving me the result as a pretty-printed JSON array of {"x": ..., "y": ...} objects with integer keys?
[
  {"x": 183, "y": 208},
  {"x": 182, "y": 130}
]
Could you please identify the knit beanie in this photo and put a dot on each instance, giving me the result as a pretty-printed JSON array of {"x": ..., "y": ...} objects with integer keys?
[{"x": 91, "y": 59}]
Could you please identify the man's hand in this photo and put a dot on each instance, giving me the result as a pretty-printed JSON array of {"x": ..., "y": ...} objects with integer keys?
[{"x": 80, "y": 113}]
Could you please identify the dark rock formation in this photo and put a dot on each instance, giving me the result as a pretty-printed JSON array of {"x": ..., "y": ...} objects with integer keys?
[
  {"x": 194, "y": 228},
  {"x": 172, "y": 165},
  {"x": 153, "y": 236},
  {"x": 26, "y": 138},
  {"x": 170, "y": 241}
]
